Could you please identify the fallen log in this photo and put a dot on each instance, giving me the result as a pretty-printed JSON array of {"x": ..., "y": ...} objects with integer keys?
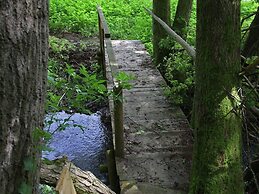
[{"x": 84, "y": 181}]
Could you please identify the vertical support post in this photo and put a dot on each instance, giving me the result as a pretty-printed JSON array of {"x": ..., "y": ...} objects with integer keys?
[
  {"x": 112, "y": 172},
  {"x": 118, "y": 121},
  {"x": 102, "y": 47}
]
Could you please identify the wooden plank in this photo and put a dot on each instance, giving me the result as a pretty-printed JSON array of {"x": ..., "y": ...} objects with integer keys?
[
  {"x": 159, "y": 168},
  {"x": 65, "y": 183},
  {"x": 158, "y": 139},
  {"x": 152, "y": 141},
  {"x": 170, "y": 124},
  {"x": 103, "y": 22}
]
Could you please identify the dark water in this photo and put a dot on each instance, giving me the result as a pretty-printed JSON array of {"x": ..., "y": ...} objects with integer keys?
[{"x": 85, "y": 148}]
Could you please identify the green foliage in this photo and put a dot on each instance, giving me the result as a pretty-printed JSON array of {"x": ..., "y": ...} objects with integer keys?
[
  {"x": 247, "y": 8},
  {"x": 250, "y": 92},
  {"x": 251, "y": 60},
  {"x": 45, "y": 189},
  {"x": 42, "y": 136},
  {"x": 60, "y": 48},
  {"x": 39, "y": 134},
  {"x": 73, "y": 88},
  {"x": 73, "y": 16},
  {"x": 124, "y": 79},
  {"x": 59, "y": 45},
  {"x": 128, "y": 20},
  {"x": 180, "y": 76},
  {"x": 180, "y": 70},
  {"x": 250, "y": 99}
]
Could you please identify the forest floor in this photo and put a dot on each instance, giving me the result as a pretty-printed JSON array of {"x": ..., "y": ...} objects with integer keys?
[{"x": 86, "y": 56}]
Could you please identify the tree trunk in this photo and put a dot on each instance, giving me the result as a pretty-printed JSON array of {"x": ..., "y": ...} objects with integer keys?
[
  {"x": 251, "y": 46},
  {"x": 182, "y": 17},
  {"x": 161, "y": 8},
  {"x": 23, "y": 64},
  {"x": 217, "y": 150}
]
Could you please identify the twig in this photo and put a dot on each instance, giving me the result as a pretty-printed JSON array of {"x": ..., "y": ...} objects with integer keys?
[
  {"x": 248, "y": 155},
  {"x": 61, "y": 99},
  {"x": 247, "y": 17},
  {"x": 249, "y": 28},
  {"x": 252, "y": 86},
  {"x": 255, "y": 110}
]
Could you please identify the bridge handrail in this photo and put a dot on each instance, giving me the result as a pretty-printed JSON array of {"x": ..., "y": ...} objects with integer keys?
[
  {"x": 106, "y": 44},
  {"x": 190, "y": 50},
  {"x": 103, "y": 22}
]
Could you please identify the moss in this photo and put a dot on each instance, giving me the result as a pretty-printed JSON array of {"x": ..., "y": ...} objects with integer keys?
[{"x": 217, "y": 157}]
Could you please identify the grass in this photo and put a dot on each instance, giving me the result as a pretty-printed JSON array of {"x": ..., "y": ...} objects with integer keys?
[{"x": 127, "y": 19}]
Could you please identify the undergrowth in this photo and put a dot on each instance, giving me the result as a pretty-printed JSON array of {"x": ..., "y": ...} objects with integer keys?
[
  {"x": 71, "y": 87},
  {"x": 127, "y": 19}
]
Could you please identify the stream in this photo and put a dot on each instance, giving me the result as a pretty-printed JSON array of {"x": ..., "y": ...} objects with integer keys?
[{"x": 84, "y": 140}]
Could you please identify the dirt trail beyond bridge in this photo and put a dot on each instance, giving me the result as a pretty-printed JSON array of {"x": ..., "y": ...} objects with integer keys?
[{"x": 158, "y": 140}]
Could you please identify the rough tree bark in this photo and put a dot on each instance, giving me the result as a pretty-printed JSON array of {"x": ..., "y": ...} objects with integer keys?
[
  {"x": 161, "y": 8},
  {"x": 217, "y": 150},
  {"x": 23, "y": 64},
  {"x": 251, "y": 46},
  {"x": 182, "y": 17}
]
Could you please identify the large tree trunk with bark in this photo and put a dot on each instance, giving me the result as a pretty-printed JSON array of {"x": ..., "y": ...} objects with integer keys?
[
  {"x": 182, "y": 17},
  {"x": 23, "y": 64},
  {"x": 217, "y": 150},
  {"x": 251, "y": 46},
  {"x": 161, "y": 8}
]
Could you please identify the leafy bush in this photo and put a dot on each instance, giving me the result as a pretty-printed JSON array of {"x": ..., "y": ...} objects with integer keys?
[
  {"x": 180, "y": 68},
  {"x": 73, "y": 88},
  {"x": 59, "y": 45},
  {"x": 180, "y": 76}
]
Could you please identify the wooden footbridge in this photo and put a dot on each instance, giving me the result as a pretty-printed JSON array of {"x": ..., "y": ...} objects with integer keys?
[{"x": 152, "y": 138}]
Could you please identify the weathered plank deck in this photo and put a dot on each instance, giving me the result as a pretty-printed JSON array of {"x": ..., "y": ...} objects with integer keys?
[{"x": 158, "y": 141}]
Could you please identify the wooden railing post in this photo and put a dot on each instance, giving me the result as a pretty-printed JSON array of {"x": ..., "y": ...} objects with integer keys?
[
  {"x": 118, "y": 121},
  {"x": 112, "y": 172},
  {"x": 117, "y": 89},
  {"x": 102, "y": 48}
]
